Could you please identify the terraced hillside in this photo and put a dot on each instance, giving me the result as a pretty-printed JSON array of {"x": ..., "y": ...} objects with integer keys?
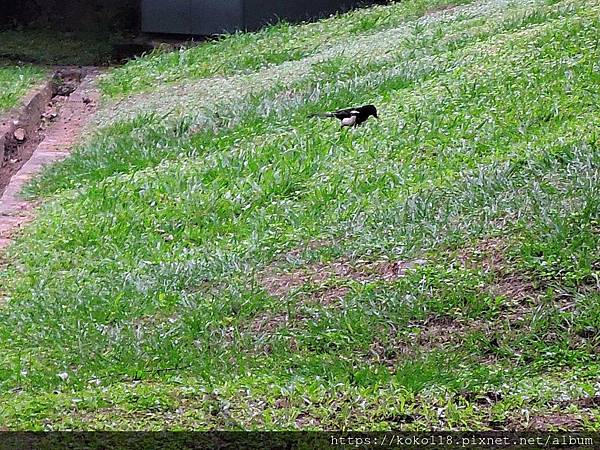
[{"x": 210, "y": 258}]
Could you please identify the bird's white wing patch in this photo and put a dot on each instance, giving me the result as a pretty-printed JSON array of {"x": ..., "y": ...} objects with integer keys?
[{"x": 349, "y": 121}]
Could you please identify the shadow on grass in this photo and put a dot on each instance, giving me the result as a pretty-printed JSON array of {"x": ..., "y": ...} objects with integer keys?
[{"x": 50, "y": 47}]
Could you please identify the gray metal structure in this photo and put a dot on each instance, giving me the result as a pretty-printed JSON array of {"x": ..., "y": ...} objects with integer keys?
[{"x": 208, "y": 17}]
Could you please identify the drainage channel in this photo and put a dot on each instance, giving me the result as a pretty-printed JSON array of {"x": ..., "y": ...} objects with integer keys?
[
  {"x": 21, "y": 134},
  {"x": 45, "y": 131}
]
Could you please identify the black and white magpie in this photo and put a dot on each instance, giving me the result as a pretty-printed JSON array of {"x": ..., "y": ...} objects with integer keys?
[{"x": 351, "y": 117}]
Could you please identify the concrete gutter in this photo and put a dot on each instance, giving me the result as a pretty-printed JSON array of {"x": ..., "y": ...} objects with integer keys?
[
  {"x": 27, "y": 118},
  {"x": 57, "y": 140}
]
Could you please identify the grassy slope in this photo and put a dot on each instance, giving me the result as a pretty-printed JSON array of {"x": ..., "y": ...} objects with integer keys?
[
  {"x": 248, "y": 52},
  {"x": 171, "y": 279},
  {"x": 14, "y": 83}
]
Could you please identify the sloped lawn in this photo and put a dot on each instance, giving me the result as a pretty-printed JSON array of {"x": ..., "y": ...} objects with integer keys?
[{"x": 210, "y": 258}]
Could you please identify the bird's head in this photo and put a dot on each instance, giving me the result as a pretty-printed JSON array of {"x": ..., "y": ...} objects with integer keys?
[{"x": 370, "y": 110}]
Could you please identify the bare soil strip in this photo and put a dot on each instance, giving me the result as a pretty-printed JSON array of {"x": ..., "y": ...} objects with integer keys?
[{"x": 50, "y": 133}]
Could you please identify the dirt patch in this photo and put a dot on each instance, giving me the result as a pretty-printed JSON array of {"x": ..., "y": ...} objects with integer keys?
[
  {"x": 56, "y": 126},
  {"x": 552, "y": 422},
  {"x": 481, "y": 398},
  {"x": 440, "y": 9},
  {"x": 268, "y": 323},
  {"x": 489, "y": 254},
  {"x": 389, "y": 354},
  {"x": 327, "y": 277},
  {"x": 440, "y": 331},
  {"x": 425, "y": 336},
  {"x": 304, "y": 420},
  {"x": 515, "y": 287},
  {"x": 330, "y": 295},
  {"x": 583, "y": 403},
  {"x": 10, "y": 226},
  {"x": 588, "y": 402}
]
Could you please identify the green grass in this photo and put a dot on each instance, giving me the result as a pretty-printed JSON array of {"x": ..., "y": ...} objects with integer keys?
[
  {"x": 211, "y": 259},
  {"x": 15, "y": 81},
  {"x": 242, "y": 52}
]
